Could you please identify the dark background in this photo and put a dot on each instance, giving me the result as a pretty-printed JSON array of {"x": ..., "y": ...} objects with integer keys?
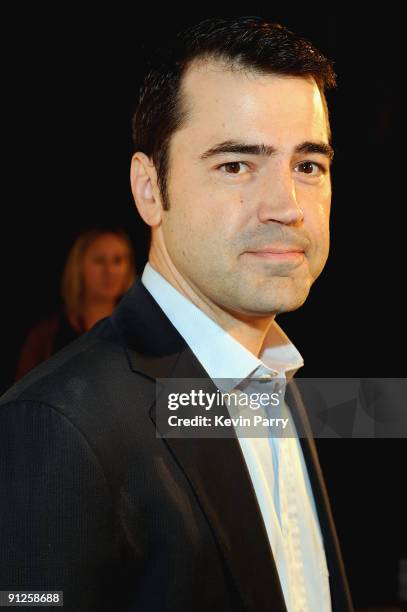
[{"x": 71, "y": 85}]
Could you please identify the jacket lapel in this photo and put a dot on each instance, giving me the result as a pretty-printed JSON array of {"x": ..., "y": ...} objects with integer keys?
[
  {"x": 215, "y": 468},
  {"x": 340, "y": 593}
]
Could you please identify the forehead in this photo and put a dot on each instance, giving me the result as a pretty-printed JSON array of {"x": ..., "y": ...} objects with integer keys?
[
  {"x": 223, "y": 101},
  {"x": 106, "y": 243}
]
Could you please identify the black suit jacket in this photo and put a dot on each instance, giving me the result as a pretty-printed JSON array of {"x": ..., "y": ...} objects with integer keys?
[{"x": 94, "y": 504}]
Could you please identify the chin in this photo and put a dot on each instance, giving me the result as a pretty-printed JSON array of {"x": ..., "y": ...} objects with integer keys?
[
  {"x": 287, "y": 302},
  {"x": 290, "y": 306},
  {"x": 287, "y": 295},
  {"x": 108, "y": 295},
  {"x": 294, "y": 302}
]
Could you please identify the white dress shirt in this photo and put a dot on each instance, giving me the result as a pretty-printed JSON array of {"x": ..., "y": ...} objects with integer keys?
[{"x": 276, "y": 464}]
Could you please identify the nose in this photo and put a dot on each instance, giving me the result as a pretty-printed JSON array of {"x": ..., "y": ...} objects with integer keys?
[
  {"x": 279, "y": 201},
  {"x": 109, "y": 268}
]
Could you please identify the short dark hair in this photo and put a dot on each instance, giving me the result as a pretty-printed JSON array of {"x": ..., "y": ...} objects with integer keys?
[{"x": 252, "y": 43}]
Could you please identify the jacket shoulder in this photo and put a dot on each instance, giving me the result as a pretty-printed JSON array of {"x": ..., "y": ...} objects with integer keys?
[
  {"x": 90, "y": 384},
  {"x": 42, "y": 380}
]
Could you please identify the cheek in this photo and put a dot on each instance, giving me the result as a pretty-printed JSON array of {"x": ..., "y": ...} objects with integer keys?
[
  {"x": 323, "y": 215},
  {"x": 317, "y": 212},
  {"x": 123, "y": 269},
  {"x": 91, "y": 272},
  {"x": 318, "y": 228},
  {"x": 198, "y": 200},
  {"x": 196, "y": 217}
]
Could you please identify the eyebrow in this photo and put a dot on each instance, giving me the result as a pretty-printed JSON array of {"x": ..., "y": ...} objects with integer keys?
[{"x": 233, "y": 146}]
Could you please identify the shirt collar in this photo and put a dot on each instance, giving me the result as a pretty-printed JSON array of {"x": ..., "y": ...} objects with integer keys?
[{"x": 219, "y": 353}]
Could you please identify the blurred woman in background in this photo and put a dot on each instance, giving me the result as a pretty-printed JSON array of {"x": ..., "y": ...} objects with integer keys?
[{"x": 98, "y": 271}]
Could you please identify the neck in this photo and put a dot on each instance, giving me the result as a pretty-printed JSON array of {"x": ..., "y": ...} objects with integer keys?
[
  {"x": 94, "y": 310},
  {"x": 250, "y": 331}
]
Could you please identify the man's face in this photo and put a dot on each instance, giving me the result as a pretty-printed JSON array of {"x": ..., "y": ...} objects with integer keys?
[{"x": 231, "y": 211}]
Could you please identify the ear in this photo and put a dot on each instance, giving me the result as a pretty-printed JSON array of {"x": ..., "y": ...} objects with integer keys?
[{"x": 143, "y": 179}]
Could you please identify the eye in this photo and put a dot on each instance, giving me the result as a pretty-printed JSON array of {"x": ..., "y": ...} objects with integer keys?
[
  {"x": 308, "y": 167},
  {"x": 232, "y": 167}
]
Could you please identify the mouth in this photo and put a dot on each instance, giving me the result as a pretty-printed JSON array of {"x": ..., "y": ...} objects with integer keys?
[{"x": 274, "y": 253}]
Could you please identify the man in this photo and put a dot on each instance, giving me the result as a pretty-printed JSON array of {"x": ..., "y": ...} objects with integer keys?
[{"x": 232, "y": 174}]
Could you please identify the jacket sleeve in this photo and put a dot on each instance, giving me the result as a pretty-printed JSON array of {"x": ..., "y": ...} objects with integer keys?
[{"x": 56, "y": 515}]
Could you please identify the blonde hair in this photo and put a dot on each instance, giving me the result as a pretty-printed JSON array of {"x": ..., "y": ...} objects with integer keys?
[{"x": 72, "y": 286}]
